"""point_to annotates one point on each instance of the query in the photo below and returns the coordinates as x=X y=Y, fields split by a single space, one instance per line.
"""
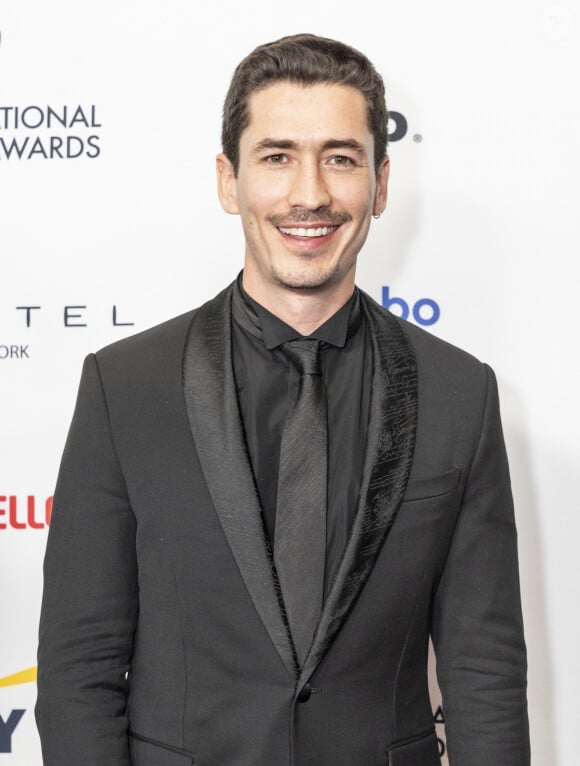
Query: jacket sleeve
x=89 y=605
x=477 y=617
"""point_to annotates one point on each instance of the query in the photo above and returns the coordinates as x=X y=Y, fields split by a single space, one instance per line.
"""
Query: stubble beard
x=308 y=277
x=306 y=274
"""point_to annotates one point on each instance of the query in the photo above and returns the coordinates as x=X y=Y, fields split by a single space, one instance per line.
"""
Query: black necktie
x=300 y=539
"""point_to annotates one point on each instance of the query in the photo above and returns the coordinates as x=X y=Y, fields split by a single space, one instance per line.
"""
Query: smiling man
x=305 y=184
x=268 y=505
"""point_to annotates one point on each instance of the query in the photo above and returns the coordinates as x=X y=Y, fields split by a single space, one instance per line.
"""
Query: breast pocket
x=432 y=486
x=149 y=752
x=419 y=751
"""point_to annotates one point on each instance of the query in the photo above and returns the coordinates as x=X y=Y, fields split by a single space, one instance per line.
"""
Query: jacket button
x=305 y=693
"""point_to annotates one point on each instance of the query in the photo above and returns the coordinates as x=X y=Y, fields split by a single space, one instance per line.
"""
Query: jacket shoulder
x=160 y=339
x=428 y=348
x=152 y=360
x=449 y=378
x=158 y=344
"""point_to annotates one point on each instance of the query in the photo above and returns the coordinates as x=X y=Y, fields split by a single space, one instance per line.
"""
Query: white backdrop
x=482 y=220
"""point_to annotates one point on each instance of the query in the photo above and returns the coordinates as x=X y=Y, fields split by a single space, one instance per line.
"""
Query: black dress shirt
x=267 y=387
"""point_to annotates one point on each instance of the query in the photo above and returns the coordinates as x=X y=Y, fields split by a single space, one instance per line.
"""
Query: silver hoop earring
x=376 y=216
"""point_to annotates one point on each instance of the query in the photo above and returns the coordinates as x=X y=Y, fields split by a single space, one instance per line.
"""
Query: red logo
x=24 y=512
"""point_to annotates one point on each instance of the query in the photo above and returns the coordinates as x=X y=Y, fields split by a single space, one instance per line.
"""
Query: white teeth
x=322 y=231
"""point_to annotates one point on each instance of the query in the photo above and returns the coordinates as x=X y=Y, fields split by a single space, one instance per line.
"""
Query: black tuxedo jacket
x=162 y=637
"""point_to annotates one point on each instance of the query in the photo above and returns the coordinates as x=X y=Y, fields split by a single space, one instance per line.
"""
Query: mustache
x=301 y=215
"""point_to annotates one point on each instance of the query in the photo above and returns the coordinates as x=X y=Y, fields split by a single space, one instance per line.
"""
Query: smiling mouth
x=312 y=232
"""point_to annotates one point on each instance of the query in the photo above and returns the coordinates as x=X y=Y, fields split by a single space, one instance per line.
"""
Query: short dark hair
x=305 y=59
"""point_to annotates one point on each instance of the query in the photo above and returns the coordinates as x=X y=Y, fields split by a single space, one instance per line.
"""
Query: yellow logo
x=24 y=677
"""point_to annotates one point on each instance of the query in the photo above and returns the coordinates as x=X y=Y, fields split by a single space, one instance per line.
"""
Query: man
x=268 y=505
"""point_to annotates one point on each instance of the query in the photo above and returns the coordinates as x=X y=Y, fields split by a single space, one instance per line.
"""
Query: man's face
x=306 y=186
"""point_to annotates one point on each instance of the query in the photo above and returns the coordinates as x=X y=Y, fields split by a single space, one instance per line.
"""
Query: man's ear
x=227 y=184
x=382 y=185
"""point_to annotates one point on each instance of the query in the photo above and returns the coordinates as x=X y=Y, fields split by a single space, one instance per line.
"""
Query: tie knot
x=304 y=353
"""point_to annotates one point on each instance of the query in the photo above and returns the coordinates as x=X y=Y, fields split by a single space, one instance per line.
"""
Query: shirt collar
x=273 y=331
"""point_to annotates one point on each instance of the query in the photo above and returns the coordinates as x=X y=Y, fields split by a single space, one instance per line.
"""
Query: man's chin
x=308 y=280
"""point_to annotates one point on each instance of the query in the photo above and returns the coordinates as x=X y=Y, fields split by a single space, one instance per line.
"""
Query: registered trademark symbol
x=417 y=138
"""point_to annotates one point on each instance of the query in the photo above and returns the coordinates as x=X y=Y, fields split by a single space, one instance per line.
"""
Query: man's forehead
x=288 y=111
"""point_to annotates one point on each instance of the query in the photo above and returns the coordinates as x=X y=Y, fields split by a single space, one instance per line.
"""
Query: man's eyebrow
x=345 y=143
x=275 y=143
x=332 y=143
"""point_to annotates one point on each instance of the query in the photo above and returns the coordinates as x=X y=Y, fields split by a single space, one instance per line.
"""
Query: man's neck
x=304 y=310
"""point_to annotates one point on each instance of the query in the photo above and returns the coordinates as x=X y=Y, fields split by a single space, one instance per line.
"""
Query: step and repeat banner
x=110 y=223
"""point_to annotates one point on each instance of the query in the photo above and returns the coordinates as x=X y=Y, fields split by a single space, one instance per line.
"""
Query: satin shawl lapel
x=215 y=421
x=390 y=447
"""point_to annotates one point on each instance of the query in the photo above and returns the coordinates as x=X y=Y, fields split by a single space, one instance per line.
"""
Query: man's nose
x=308 y=186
